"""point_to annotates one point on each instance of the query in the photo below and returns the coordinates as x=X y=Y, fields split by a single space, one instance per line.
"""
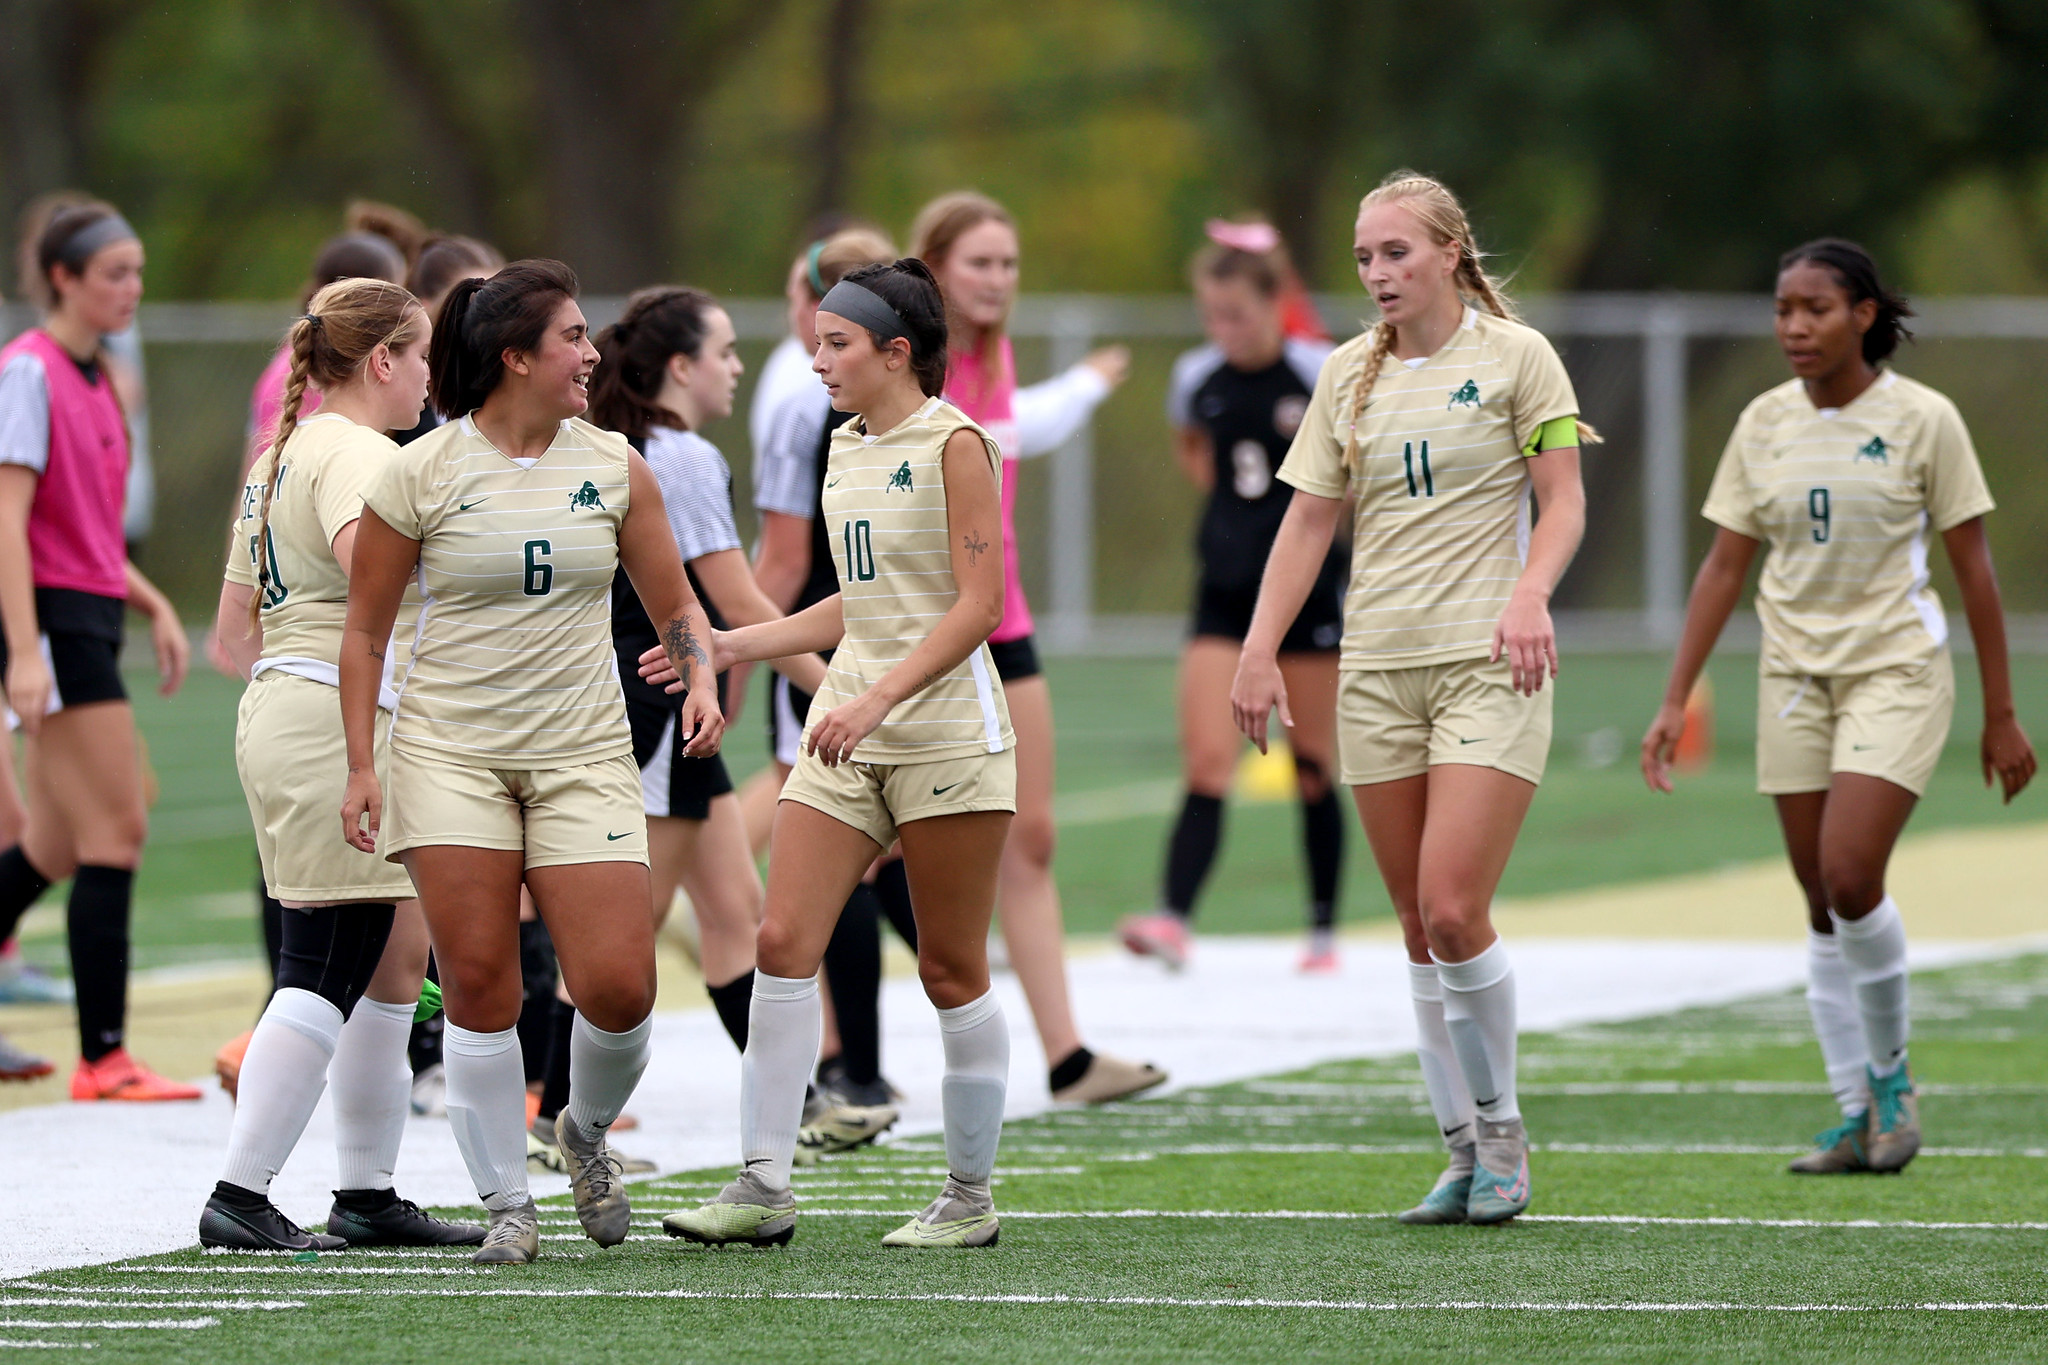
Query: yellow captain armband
x=1555 y=434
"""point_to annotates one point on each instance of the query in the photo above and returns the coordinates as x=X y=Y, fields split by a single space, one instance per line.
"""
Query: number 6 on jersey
x=540 y=574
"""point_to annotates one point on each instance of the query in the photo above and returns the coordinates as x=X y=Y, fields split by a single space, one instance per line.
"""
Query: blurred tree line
x=1601 y=143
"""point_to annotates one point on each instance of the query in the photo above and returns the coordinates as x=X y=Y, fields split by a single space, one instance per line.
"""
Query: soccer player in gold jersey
x=1840 y=473
x=908 y=737
x=1439 y=422
x=511 y=759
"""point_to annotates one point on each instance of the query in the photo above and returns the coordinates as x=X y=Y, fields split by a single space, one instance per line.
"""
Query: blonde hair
x=1440 y=214
x=344 y=323
x=848 y=250
x=937 y=227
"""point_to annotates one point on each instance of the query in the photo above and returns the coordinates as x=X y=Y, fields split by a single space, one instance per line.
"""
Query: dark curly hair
x=664 y=321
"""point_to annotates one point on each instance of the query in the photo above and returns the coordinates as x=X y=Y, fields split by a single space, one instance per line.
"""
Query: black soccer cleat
x=394 y=1222
x=244 y=1221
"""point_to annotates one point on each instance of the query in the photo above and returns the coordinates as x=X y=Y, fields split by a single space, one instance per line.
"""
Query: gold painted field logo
x=1466 y=396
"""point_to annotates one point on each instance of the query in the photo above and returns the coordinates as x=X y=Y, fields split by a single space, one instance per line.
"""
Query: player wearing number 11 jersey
x=1841 y=473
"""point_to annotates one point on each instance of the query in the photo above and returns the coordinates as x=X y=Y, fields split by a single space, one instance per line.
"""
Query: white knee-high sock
x=1831 y=1000
x=1449 y=1097
x=603 y=1069
x=487 y=1110
x=783 y=1031
x=283 y=1073
x=372 y=1091
x=1874 y=949
x=977 y=1043
x=1479 y=1014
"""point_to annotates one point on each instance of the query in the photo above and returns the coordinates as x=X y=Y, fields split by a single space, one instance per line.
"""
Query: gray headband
x=858 y=303
x=80 y=246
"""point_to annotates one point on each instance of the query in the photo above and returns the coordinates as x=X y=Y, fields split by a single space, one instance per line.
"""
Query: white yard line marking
x=16 y=1344
x=1160 y=1301
x=147 y=1324
x=11 y=1301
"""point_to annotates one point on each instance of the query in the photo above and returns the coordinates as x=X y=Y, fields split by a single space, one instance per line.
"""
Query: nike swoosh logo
x=1473 y=741
x=937 y=1232
x=1859 y=748
x=627 y=834
x=941 y=791
x=833 y=483
x=465 y=506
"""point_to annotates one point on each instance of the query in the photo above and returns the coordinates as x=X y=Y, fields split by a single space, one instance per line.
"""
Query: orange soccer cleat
x=227 y=1063
x=118 y=1076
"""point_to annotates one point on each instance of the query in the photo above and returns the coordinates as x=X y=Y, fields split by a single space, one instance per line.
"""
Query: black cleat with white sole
x=379 y=1218
x=236 y=1219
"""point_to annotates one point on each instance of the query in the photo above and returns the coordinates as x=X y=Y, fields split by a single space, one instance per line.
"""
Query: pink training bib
x=74 y=525
x=986 y=399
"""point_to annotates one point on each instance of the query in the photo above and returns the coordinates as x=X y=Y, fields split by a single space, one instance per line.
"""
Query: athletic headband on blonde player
x=81 y=245
x=812 y=274
x=858 y=303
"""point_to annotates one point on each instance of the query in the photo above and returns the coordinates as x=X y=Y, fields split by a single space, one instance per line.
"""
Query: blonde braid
x=302 y=340
x=1368 y=375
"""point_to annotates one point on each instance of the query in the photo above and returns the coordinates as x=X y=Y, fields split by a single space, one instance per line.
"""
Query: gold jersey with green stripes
x=511 y=662
x=1441 y=517
x=319 y=480
x=1844 y=498
x=884 y=506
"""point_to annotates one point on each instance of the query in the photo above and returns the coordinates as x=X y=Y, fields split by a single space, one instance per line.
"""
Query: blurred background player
x=970 y=243
x=516 y=516
x=355 y=944
x=1839 y=473
x=910 y=740
x=66 y=584
x=1234 y=406
x=1443 y=717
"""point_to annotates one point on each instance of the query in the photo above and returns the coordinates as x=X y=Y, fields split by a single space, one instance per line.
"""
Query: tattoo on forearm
x=926 y=681
x=973 y=543
x=377 y=654
x=683 y=644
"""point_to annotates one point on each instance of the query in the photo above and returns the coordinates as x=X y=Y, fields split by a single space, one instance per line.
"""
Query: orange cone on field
x=1696 y=740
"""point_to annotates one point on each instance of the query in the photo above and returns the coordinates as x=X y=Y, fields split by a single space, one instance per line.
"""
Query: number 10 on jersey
x=860 y=551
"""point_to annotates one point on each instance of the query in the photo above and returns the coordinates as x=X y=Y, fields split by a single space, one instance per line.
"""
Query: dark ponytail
x=667 y=320
x=907 y=285
x=1857 y=274
x=481 y=320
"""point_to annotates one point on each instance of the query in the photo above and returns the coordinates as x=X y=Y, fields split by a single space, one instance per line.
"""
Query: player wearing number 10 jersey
x=1841 y=473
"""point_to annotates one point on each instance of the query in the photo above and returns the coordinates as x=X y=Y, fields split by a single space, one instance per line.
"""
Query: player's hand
x=1660 y=743
x=1525 y=636
x=1255 y=693
x=703 y=722
x=1113 y=363
x=173 y=651
x=217 y=655
x=834 y=738
x=28 y=689
x=655 y=668
x=362 y=799
x=2006 y=751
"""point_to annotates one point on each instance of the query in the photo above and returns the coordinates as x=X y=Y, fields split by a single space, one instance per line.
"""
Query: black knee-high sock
x=272 y=916
x=423 y=1048
x=537 y=1007
x=734 y=1002
x=20 y=884
x=554 y=1088
x=853 y=966
x=1322 y=839
x=97 y=919
x=892 y=893
x=1192 y=851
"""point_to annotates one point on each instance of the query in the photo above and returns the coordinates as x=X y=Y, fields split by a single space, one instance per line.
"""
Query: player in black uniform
x=1234 y=405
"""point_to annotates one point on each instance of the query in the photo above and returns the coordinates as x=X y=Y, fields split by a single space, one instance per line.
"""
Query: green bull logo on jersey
x=1466 y=396
x=586 y=497
x=1874 y=451
x=900 y=480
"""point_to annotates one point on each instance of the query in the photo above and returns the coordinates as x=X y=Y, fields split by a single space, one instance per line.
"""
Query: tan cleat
x=1894 y=1121
x=1110 y=1078
x=514 y=1237
x=1841 y=1150
x=842 y=1128
x=595 y=1180
x=746 y=1213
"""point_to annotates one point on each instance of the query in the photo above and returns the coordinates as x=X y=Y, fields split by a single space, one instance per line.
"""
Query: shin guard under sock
x=782 y=1043
x=97 y=923
x=977 y=1044
x=1479 y=1014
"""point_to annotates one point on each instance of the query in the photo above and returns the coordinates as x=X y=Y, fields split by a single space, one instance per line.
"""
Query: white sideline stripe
x=147 y=1324
x=1149 y=1301
x=12 y=1344
x=11 y=1302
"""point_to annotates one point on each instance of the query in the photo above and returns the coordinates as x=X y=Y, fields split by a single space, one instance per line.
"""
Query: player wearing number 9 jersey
x=1841 y=473
x=511 y=760
x=1438 y=423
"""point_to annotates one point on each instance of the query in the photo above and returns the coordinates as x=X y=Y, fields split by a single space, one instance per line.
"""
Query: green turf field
x=1249 y=1223
x=1593 y=824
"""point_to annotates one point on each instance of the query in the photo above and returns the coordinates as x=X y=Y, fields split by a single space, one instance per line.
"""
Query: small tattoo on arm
x=377 y=654
x=973 y=543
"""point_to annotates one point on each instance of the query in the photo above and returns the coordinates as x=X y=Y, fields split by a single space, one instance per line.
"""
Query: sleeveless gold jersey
x=884 y=506
x=512 y=664
x=321 y=476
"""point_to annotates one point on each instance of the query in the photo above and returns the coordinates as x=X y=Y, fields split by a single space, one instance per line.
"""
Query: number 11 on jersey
x=1428 y=488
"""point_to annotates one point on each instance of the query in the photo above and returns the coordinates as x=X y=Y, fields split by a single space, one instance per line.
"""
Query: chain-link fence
x=1107 y=522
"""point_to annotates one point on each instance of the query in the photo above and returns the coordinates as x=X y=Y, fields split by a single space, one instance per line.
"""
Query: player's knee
x=951 y=980
x=1031 y=841
x=116 y=840
x=1311 y=779
x=1452 y=920
x=478 y=996
x=777 y=950
x=1853 y=888
x=619 y=1001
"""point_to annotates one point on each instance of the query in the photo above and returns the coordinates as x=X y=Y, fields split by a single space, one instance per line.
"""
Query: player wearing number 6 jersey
x=909 y=737
x=1439 y=423
x=511 y=759
x=1841 y=472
